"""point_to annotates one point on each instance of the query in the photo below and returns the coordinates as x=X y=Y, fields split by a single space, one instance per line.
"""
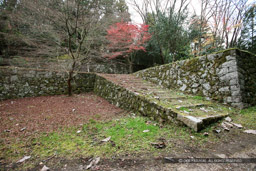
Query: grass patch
x=128 y=136
x=198 y=98
x=64 y=57
x=246 y=117
x=184 y=109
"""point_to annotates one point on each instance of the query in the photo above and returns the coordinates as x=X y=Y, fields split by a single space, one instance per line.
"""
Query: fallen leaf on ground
x=148 y=122
x=94 y=162
x=159 y=145
x=250 y=131
x=23 y=129
x=45 y=168
x=217 y=131
x=23 y=159
x=106 y=139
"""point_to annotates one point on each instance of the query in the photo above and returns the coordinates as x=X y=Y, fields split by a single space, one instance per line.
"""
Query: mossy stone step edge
x=130 y=100
x=198 y=123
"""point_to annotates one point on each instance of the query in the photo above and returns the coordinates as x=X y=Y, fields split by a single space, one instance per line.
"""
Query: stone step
x=132 y=93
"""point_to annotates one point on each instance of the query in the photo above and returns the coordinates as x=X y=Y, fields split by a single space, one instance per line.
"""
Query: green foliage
x=169 y=38
x=248 y=33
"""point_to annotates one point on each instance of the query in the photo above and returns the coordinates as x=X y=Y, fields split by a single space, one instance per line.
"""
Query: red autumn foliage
x=126 y=38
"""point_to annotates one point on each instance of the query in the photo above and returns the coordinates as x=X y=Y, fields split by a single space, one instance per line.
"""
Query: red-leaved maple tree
x=126 y=39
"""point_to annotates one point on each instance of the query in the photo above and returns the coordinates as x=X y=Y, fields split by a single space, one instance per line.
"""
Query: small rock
x=224 y=126
x=178 y=107
x=203 y=109
x=206 y=134
x=146 y=131
x=228 y=124
x=228 y=119
x=106 y=139
x=23 y=129
x=45 y=168
x=221 y=156
x=217 y=131
x=186 y=112
x=24 y=159
x=148 y=122
x=237 y=125
x=250 y=131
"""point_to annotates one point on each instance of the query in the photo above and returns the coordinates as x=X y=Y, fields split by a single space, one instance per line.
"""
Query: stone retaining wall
x=227 y=76
x=129 y=100
x=247 y=76
x=21 y=82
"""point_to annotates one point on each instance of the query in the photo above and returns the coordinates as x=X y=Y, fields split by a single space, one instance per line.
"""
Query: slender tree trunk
x=162 y=56
x=253 y=16
x=70 y=75
x=130 y=65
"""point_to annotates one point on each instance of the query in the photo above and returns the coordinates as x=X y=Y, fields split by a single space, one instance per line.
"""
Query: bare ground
x=23 y=117
x=28 y=116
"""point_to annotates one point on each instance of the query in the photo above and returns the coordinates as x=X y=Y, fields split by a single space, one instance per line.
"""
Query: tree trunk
x=162 y=56
x=130 y=65
x=70 y=75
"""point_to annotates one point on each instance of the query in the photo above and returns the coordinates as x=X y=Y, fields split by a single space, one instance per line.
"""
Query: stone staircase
x=164 y=105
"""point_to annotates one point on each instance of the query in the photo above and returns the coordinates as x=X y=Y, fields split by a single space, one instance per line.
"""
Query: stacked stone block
x=228 y=77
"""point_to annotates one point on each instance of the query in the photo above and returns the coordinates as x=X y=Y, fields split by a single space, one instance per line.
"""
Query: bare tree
x=155 y=6
x=227 y=20
x=72 y=24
